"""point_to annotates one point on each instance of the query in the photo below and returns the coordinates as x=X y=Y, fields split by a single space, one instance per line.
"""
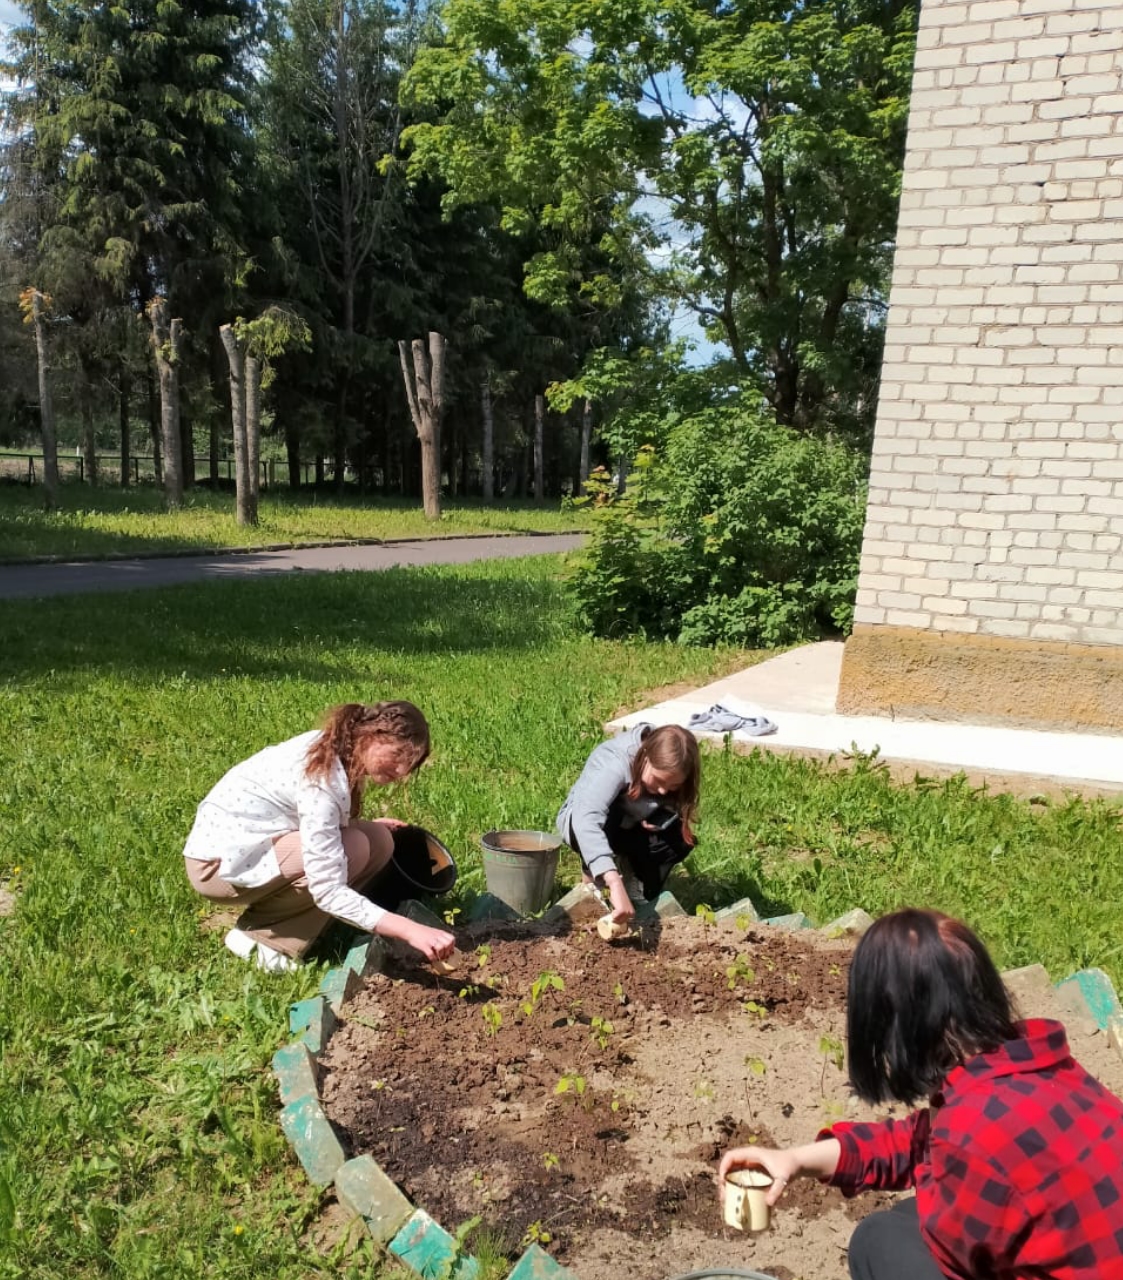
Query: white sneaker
x=240 y=942
x=267 y=958
x=274 y=961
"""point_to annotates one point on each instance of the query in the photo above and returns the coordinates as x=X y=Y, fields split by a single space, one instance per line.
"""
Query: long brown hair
x=352 y=725
x=672 y=749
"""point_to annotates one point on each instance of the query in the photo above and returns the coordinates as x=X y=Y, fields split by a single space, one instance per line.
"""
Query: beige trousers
x=281 y=913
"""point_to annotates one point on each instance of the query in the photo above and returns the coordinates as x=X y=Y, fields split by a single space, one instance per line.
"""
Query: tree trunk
x=539 y=445
x=46 y=408
x=489 y=440
x=89 y=433
x=254 y=371
x=213 y=442
x=236 y=357
x=292 y=455
x=166 y=342
x=154 y=424
x=124 y=405
x=586 y=440
x=186 y=432
x=424 y=385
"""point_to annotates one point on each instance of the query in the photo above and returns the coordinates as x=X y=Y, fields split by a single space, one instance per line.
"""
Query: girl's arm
x=605 y=775
x=325 y=861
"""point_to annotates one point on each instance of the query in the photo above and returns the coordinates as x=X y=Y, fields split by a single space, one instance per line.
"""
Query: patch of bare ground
x=579 y=1094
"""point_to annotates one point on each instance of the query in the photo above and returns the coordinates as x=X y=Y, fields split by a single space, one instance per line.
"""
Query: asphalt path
x=28 y=581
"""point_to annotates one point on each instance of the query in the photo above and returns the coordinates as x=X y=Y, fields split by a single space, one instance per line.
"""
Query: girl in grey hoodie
x=632 y=811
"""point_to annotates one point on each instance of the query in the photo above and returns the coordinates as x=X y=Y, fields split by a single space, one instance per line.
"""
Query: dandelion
x=238 y=1229
x=16 y=870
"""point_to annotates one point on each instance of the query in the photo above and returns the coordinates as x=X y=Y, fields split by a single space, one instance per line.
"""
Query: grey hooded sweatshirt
x=607 y=773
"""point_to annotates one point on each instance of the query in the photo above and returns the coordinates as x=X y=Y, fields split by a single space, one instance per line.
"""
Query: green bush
x=741 y=532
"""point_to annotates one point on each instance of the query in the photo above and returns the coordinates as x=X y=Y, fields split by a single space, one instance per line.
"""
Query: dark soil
x=579 y=1094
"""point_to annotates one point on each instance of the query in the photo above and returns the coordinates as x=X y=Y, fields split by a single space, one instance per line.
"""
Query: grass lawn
x=138 y=1119
x=102 y=522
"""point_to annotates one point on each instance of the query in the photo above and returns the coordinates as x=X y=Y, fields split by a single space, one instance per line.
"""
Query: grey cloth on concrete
x=721 y=719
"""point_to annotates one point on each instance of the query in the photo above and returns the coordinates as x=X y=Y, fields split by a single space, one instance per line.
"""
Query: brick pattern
x=996 y=490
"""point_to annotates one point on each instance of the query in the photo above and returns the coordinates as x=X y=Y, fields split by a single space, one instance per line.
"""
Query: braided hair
x=350 y=726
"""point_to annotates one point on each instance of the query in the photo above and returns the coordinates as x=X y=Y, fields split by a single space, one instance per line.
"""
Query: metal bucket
x=724 y=1273
x=519 y=867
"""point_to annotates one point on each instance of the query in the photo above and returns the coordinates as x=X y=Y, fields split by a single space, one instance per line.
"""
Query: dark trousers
x=651 y=854
x=888 y=1246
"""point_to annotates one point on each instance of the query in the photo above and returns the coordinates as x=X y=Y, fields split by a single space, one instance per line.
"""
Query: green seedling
x=483 y=954
x=705 y=913
x=618 y=992
x=834 y=1051
x=757 y=1010
x=547 y=980
x=450 y=916
x=466 y=993
x=743 y=922
x=549 y=1161
x=757 y=1067
x=601 y=1031
x=427 y=1012
x=739 y=971
x=493 y=1018
x=704 y=1089
x=537 y=1234
x=575 y=1083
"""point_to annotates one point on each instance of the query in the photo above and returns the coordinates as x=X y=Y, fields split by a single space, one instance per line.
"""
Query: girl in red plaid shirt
x=1017 y=1160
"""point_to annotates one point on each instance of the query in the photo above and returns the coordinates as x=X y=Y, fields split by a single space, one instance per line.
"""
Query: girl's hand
x=812 y=1160
x=392 y=823
x=434 y=944
x=781 y=1166
x=623 y=909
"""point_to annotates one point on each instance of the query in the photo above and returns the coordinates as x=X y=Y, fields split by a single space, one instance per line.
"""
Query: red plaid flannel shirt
x=1017 y=1164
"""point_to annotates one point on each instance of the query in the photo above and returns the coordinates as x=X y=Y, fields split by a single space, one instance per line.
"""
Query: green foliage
x=740 y=532
x=771 y=133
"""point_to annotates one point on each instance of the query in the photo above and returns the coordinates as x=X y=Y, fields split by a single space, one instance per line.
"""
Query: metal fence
x=28 y=467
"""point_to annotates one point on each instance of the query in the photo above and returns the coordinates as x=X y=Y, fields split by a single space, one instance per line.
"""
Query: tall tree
x=769 y=135
x=167 y=350
x=423 y=372
x=133 y=116
x=36 y=306
x=331 y=117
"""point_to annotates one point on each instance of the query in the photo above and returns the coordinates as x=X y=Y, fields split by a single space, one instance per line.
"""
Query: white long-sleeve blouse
x=269 y=795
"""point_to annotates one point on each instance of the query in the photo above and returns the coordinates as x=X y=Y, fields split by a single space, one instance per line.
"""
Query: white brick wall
x=996 y=490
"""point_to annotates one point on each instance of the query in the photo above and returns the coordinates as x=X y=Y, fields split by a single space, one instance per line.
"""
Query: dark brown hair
x=672 y=749
x=924 y=996
x=352 y=725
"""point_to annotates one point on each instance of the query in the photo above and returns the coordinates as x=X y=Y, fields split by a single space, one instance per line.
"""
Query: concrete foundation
x=914 y=674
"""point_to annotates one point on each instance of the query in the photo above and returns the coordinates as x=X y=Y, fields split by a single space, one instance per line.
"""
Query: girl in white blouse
x=280 y=835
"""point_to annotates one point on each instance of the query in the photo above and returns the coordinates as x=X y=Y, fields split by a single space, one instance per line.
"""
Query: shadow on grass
x=303 y=628
x=28 y=530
